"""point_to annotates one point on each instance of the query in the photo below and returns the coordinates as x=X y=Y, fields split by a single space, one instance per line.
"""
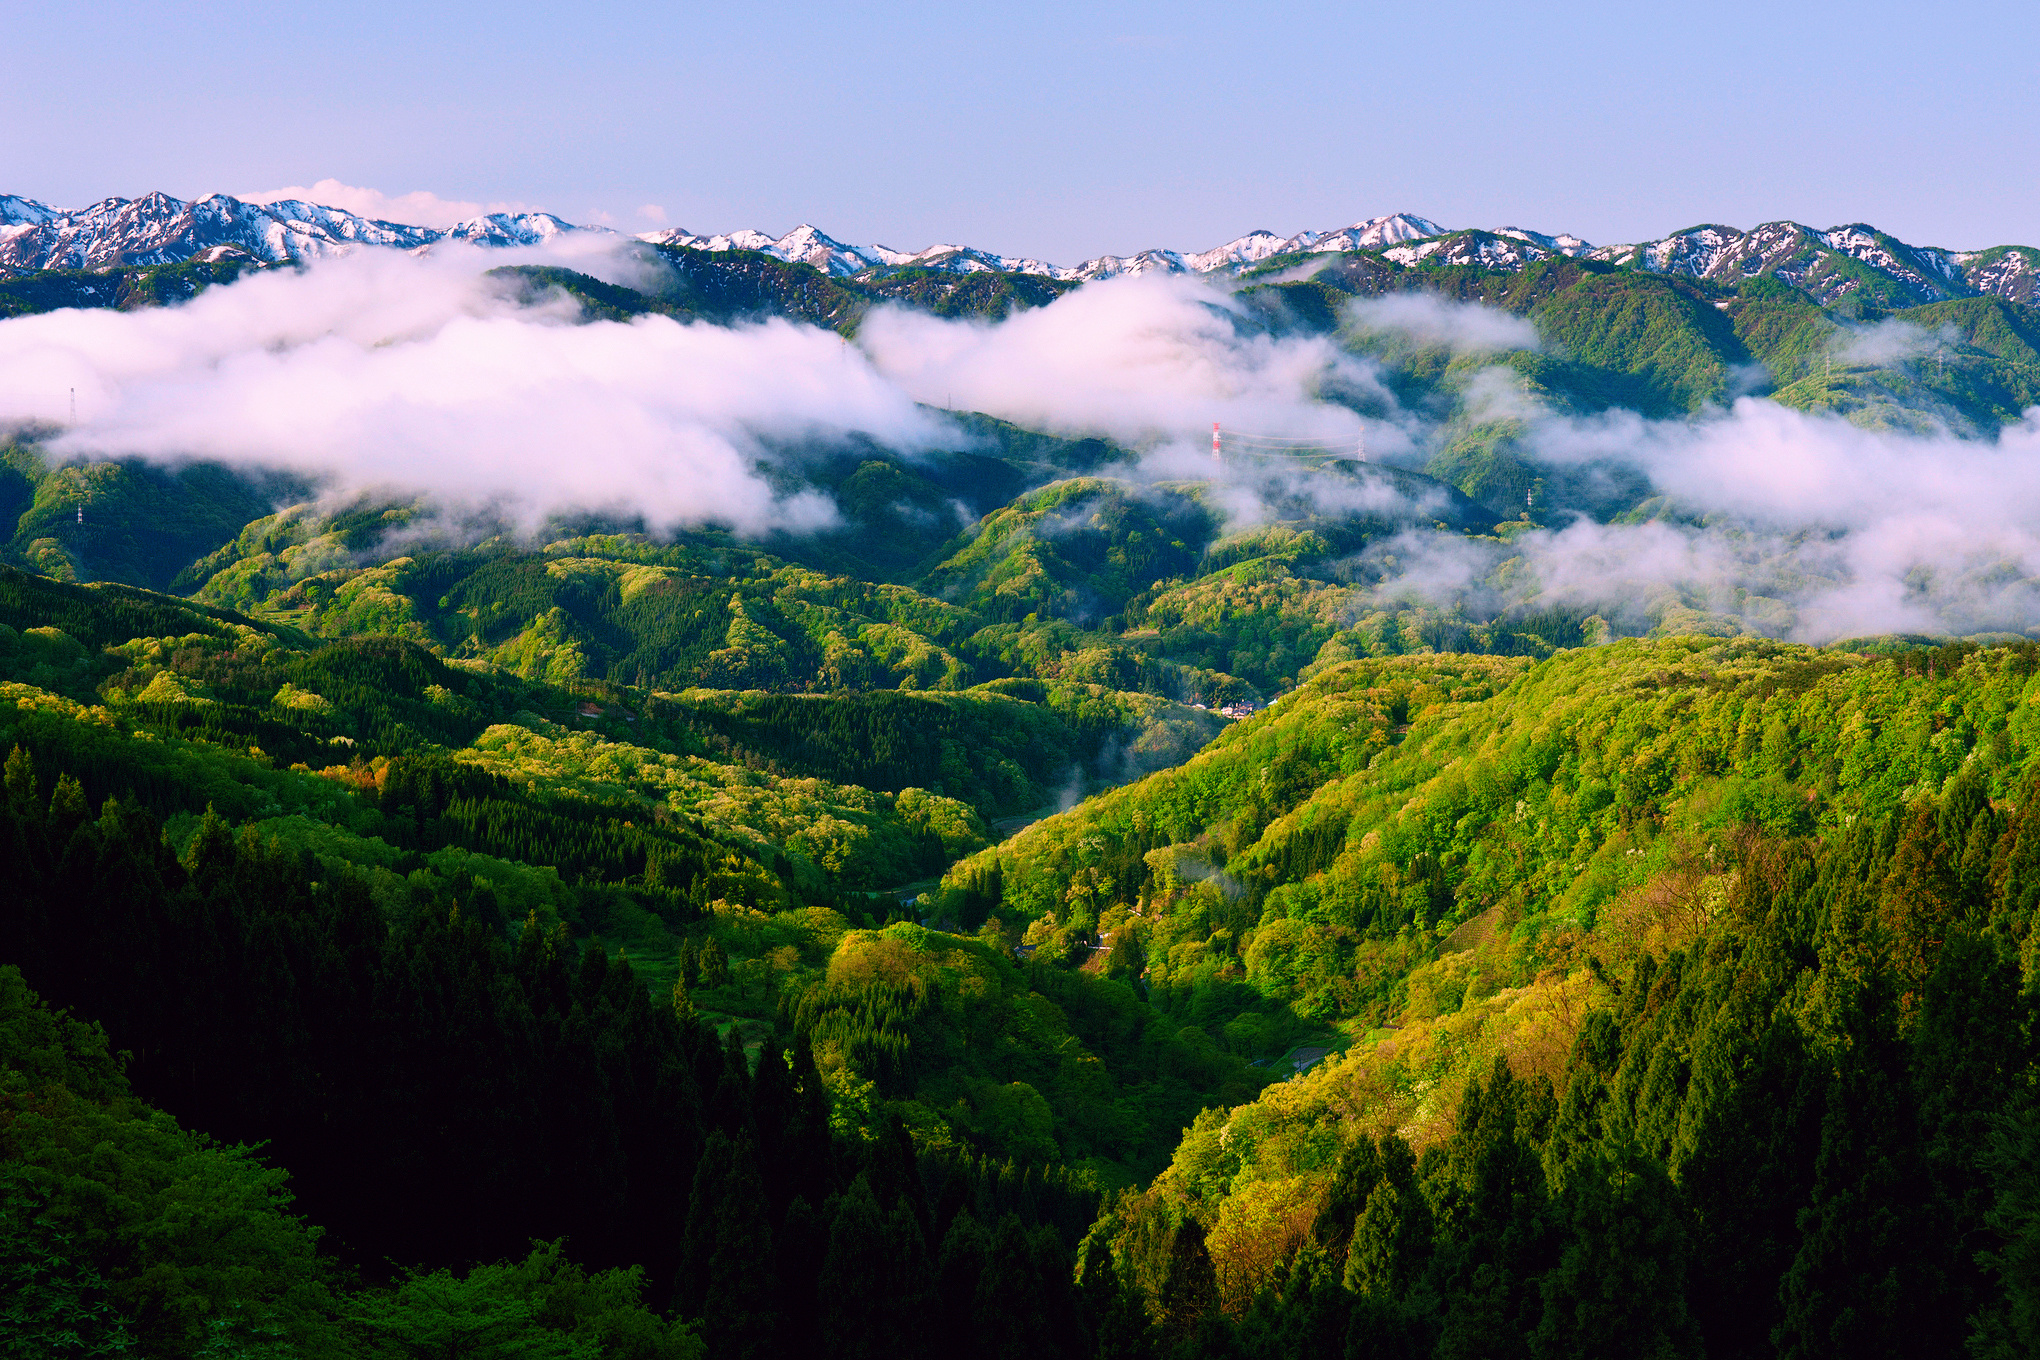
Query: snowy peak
x=740 y=240
x=1506 y=250
x=1240 y=252
x=512 y=229
x=1377 y=232
x=1693 y=251
x=1128 y=266
x=2011 y=272
x=805 y=244
x=1565 y=243
x=15 y=212
x=951 y=259
x=808 y=244
x=1370 y=233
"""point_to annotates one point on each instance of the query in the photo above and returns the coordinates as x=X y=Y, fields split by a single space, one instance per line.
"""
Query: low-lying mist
x=1792 y=523
x=402 y=374
x=391 y=372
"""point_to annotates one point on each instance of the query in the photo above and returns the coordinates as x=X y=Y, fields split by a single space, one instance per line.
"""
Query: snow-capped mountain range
x=159 y=229
x=1828 y=265
x=806 y=245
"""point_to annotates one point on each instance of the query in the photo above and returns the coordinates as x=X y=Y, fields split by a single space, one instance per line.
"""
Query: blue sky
x=1061 y=131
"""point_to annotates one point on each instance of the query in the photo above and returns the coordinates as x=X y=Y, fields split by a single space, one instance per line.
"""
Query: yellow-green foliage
x=242 y=784
x=1544 y=792
x=1336 y=724
x=1519 y=841
x=48 y=658
x=1068 y=548
x=167 y=688
x=856 y=836
x=1253 y=619
x=544 y=650
x=289 y=696
x=768 y=954
x=632 y=578
x=48 y=556
x=946 y=1033
x=349 y=603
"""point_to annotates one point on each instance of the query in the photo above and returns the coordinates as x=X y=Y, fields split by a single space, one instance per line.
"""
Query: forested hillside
x=1682 y=1000
x=430 y=923
x=426 y=930
x=1562 y=926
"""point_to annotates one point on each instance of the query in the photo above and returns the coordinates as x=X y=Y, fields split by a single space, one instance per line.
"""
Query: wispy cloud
x=1424 y=320
x=419 y=207
x=389 y=372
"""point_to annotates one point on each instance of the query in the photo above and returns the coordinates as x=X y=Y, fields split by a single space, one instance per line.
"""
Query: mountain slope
x=1689 y=956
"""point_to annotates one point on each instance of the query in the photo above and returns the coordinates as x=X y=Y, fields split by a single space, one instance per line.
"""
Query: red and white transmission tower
x=1214 y=445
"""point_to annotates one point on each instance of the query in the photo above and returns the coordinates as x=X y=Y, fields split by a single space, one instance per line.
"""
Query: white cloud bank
x=1422 y=319
x=386 y=371
x=1153 y=359
x=1799 y=524
x=419 y=208
x=392 y=372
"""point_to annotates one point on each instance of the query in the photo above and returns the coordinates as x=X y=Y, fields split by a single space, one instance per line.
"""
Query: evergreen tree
x=960 y=1267
x=714 y=966
x=1358 y=1172
x=1870 y=1276
x=704 y=1215
x=730 y=1109
x=859 y=1321
x=1187 y=1291
x=740 y=1318
x=1619 y=1287
x=1118 y=1324
x=2007 y=1328
x=800 y=1249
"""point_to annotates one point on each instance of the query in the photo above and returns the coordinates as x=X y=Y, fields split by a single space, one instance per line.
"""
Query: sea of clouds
x=420 y=374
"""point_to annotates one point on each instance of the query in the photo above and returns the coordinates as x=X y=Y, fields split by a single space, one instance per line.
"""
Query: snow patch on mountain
x=1238 y=253
x=805 y=244
x=1375 y=233
x=1565 y=243
x=2009 y=272
x=17 y=211
x=1816 y=262
x=1130 y=266
x=499 y=230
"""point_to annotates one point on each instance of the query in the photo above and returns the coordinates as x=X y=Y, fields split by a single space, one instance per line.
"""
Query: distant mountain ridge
x=808 y=245
x=1855 y=260
x=159 y=229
